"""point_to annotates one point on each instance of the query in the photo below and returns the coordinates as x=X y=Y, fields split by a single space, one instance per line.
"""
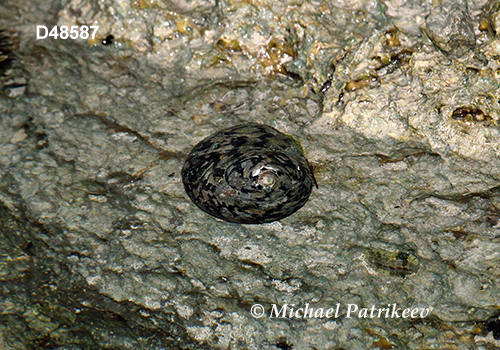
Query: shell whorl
x=249 y=174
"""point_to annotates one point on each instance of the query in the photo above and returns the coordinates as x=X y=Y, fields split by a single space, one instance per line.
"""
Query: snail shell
x=249 y=174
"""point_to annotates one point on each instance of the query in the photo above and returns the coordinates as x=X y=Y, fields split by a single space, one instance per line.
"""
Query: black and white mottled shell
x=249 y=174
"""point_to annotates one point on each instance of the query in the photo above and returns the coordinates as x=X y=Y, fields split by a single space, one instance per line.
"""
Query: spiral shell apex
x=248 y=174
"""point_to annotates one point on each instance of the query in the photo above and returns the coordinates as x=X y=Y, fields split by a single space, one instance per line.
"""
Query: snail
x=248 y=174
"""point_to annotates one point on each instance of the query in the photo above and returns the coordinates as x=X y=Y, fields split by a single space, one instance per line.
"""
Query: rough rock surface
x=396 y=105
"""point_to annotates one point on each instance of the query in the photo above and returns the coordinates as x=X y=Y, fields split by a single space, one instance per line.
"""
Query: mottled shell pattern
x=249 y=174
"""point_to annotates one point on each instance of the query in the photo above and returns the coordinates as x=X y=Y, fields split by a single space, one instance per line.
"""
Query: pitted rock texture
x=395 y=104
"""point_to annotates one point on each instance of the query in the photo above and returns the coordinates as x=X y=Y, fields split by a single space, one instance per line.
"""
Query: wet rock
x=450 y=28
x=100 y=246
